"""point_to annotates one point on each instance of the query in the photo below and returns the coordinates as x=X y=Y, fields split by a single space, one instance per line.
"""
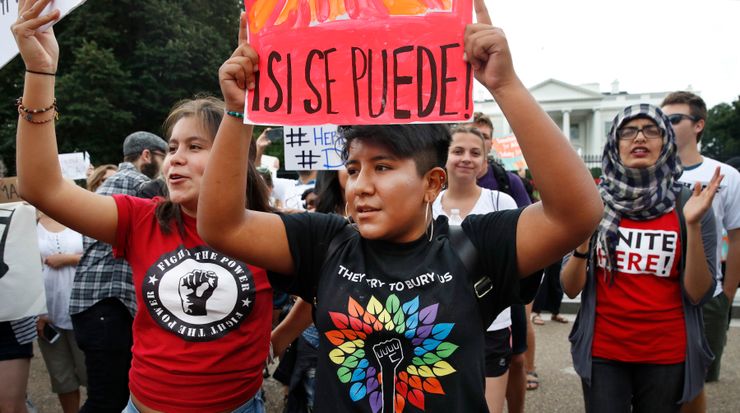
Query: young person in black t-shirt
x=396 y=312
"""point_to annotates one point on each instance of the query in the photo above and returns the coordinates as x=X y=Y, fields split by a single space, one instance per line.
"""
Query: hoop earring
x=428 y=207
x=348 y=217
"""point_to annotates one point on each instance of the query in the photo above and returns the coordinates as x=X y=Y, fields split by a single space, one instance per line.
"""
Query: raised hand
x=39 y=50
x=487 y=50
x=262 y=142
x=237 y=74
x=701 y=199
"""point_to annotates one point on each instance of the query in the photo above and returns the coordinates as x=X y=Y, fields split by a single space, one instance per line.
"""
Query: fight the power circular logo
x=198 y=294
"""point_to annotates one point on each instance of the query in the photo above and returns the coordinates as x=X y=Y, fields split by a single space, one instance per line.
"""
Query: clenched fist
x=195 y=289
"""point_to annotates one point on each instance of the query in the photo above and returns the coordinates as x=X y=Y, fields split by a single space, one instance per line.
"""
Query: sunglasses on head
x=676 y=118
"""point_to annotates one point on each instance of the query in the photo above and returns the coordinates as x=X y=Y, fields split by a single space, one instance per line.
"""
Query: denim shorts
x=254 y=405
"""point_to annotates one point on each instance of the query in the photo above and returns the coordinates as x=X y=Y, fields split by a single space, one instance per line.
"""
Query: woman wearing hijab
x=638 y=342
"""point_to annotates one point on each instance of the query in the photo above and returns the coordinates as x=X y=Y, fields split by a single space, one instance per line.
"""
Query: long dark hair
x=210 y=111
x=330 y=193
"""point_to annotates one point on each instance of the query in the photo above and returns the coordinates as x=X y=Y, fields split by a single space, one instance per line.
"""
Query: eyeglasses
x=676 y=118
x=158 y=153
x=649 y=132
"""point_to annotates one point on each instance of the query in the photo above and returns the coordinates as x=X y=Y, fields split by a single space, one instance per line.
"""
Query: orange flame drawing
x=304 y=13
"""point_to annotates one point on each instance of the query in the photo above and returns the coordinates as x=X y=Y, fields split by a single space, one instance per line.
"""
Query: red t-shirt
x=639 y=318
x=202 y=329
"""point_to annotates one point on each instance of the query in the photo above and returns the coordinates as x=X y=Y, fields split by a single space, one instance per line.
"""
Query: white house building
x=583 y=111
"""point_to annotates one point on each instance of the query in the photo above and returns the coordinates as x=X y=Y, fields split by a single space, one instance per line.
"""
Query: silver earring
x=427 y=208
x=348 y=217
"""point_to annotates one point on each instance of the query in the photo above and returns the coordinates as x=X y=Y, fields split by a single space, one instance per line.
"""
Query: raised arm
x=571 y=206
x=254 y=237
x=40 y=179
x=697 y=275
x=573 y=273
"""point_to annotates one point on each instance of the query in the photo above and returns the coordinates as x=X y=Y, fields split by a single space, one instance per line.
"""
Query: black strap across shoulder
x=482 y=285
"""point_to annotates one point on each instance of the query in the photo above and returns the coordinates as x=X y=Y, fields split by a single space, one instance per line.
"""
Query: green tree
x=123 y=64
x=721 y=138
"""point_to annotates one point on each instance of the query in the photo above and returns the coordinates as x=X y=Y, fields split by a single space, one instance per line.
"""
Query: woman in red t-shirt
x=635 y=340
x=201 y=332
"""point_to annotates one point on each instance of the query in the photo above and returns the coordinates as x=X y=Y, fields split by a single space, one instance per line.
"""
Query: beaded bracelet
x=28 y=114
x=239 y=115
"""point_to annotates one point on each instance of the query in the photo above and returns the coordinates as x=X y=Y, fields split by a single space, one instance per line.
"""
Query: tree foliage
x=122 y=66
x=721 y=138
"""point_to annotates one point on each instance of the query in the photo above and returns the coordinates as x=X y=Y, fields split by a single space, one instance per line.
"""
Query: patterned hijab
x=638 y=194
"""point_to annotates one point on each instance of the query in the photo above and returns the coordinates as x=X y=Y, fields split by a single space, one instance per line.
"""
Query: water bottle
x=455 y=218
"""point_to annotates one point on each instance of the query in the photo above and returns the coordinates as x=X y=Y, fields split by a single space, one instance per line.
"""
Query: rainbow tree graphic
x=384 y=386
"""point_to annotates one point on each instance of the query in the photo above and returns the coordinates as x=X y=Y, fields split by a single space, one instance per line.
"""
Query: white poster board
x=8 y=16
x=312 y=148
x=74 y=165
x=21 y=279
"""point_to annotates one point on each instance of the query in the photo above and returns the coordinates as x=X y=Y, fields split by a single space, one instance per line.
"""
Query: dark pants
x=618 y=387
x=716 y=314
x=103 y=333
x=550 y=294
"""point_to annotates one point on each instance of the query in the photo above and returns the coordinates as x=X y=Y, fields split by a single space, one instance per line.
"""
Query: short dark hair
x=330 y=193
x=426 y=144
x=697 y=107
x=482 y=118
x=132 y=158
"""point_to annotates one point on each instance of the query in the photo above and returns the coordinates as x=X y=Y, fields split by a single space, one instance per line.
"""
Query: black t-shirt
x=401 y=313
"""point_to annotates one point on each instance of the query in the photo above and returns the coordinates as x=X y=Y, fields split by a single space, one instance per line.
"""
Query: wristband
x=40 y=73
x=580 y=255
x=235 y=114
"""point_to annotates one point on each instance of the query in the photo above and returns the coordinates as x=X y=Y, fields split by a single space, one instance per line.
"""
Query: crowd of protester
x=412 y=276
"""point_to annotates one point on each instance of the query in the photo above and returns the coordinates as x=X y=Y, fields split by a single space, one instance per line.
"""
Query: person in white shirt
x=465 y=160
x=687 y=113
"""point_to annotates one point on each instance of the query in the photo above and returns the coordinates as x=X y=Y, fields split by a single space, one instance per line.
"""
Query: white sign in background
x=312 y=148
x=21 y=277
x=8 y=16
x=74 y=165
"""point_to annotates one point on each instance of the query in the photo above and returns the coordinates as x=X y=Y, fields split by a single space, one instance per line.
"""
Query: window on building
x=575 y=132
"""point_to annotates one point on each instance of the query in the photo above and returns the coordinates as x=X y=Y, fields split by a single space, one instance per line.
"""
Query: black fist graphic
x=195 y=289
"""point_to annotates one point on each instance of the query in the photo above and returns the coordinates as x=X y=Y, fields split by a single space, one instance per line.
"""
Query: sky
x=647 y=45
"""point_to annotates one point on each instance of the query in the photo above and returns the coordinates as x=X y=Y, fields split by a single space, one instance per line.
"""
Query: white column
x=566 y=123
x=597 y=135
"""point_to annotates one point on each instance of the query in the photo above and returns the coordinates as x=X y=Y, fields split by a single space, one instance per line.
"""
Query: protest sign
x=8 y=16
x=348 y=62
x=9 y=190
x=74 y=165
x=509 y=152
x=312 y=148
x=21 y=280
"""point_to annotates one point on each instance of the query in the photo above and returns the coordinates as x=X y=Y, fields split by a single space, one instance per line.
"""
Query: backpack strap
x=502 y=178
x=482 y=285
